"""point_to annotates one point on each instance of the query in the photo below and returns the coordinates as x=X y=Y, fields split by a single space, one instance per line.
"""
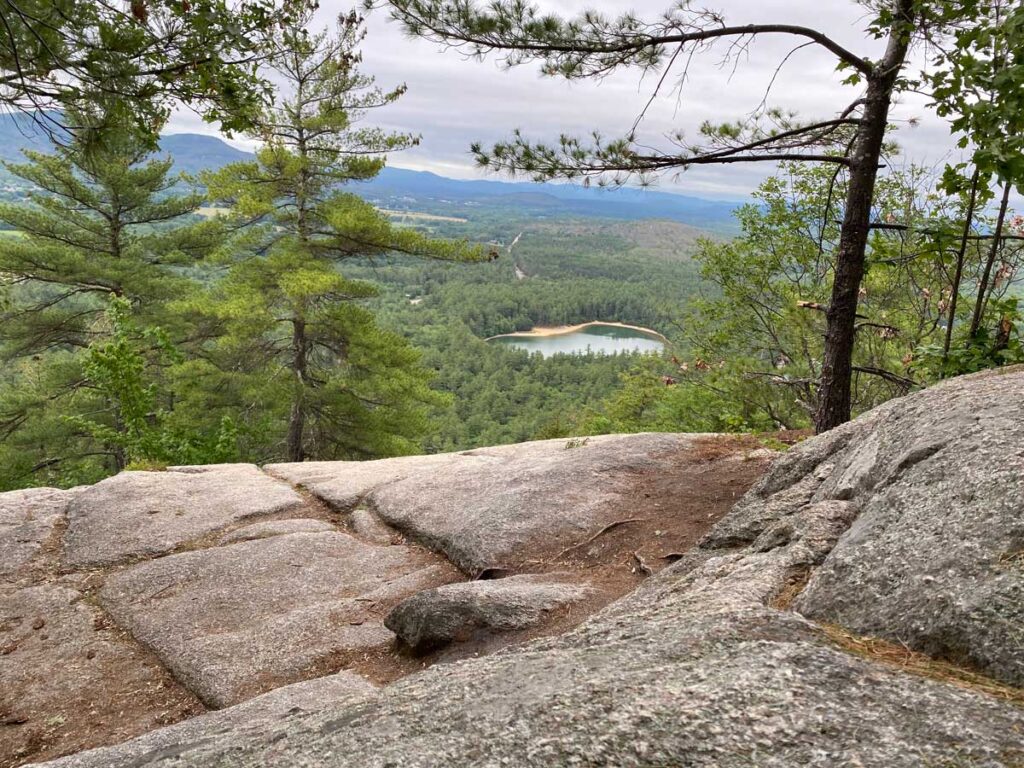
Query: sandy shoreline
x=560 y=330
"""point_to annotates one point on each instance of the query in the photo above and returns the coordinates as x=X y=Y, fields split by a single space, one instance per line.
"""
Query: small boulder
x=435 y=617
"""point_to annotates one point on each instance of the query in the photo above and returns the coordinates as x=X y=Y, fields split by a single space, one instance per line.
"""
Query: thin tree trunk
x=958 y=275
x=300 y=343
x=979 y=303
x=118 y=452
x=297 y=418
x=834 y=393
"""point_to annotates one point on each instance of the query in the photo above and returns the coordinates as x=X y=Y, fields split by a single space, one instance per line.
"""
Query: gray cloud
x=453 y=100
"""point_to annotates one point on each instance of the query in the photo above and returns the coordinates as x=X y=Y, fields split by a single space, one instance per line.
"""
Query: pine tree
x=316 y=375
x=104 y=222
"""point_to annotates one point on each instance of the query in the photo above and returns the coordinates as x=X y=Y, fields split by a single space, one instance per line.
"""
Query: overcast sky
x=453 y=100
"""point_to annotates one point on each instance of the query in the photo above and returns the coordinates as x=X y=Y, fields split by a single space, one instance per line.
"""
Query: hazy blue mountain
x=402 y=188
x=554 y=199
x=424 y=191
x=193 y=152
x=17 y=132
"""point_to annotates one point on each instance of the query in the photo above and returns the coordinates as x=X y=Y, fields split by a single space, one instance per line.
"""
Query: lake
x=600 y=338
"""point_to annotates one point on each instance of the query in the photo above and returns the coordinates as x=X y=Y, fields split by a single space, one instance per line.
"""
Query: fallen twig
x=161 y=591
x=601 y=532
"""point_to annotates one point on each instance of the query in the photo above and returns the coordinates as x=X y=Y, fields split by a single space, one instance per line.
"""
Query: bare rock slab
x=67 y=676
x=693 y=669
x=367 y=527
x=493 y=508
x=935 y=558
x=27 y=521
x=704 y=665
x=289 y=703
x=344 y=484
x=237 y=620
x=143 y=514
x=435 y=617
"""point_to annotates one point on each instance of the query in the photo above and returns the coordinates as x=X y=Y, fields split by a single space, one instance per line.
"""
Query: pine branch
x=590 y=44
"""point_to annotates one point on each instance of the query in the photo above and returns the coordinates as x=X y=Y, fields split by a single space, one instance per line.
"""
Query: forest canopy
x=264 y=310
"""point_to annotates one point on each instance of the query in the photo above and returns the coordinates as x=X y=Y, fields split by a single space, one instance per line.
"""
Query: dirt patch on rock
x=665 y=512
x=72 y=681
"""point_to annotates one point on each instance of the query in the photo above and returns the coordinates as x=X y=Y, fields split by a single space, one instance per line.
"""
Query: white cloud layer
x=453 y=100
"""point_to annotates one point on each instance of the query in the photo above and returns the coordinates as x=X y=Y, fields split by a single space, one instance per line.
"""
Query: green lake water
x=598 y=338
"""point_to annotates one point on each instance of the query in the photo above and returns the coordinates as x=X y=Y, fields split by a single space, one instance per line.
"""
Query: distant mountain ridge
x=194 y=152
x=422 y=190
x=566 y=199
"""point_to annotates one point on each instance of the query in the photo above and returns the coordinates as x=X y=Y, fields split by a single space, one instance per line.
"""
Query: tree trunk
x=979 y=303
x=297 y=418
x=834 y=393
x=117 y=452
x=300 y=344
x=958 y=275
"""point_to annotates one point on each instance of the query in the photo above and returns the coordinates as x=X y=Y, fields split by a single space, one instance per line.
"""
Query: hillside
x=193 y=153
x=558 y=273
x=401 y=188
x=859 y=605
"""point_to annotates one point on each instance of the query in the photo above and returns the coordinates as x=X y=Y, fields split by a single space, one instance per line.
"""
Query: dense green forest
x=633 y=272
x=261 y=312
x=262 y=309
x=743 y=314
x=575 y=271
